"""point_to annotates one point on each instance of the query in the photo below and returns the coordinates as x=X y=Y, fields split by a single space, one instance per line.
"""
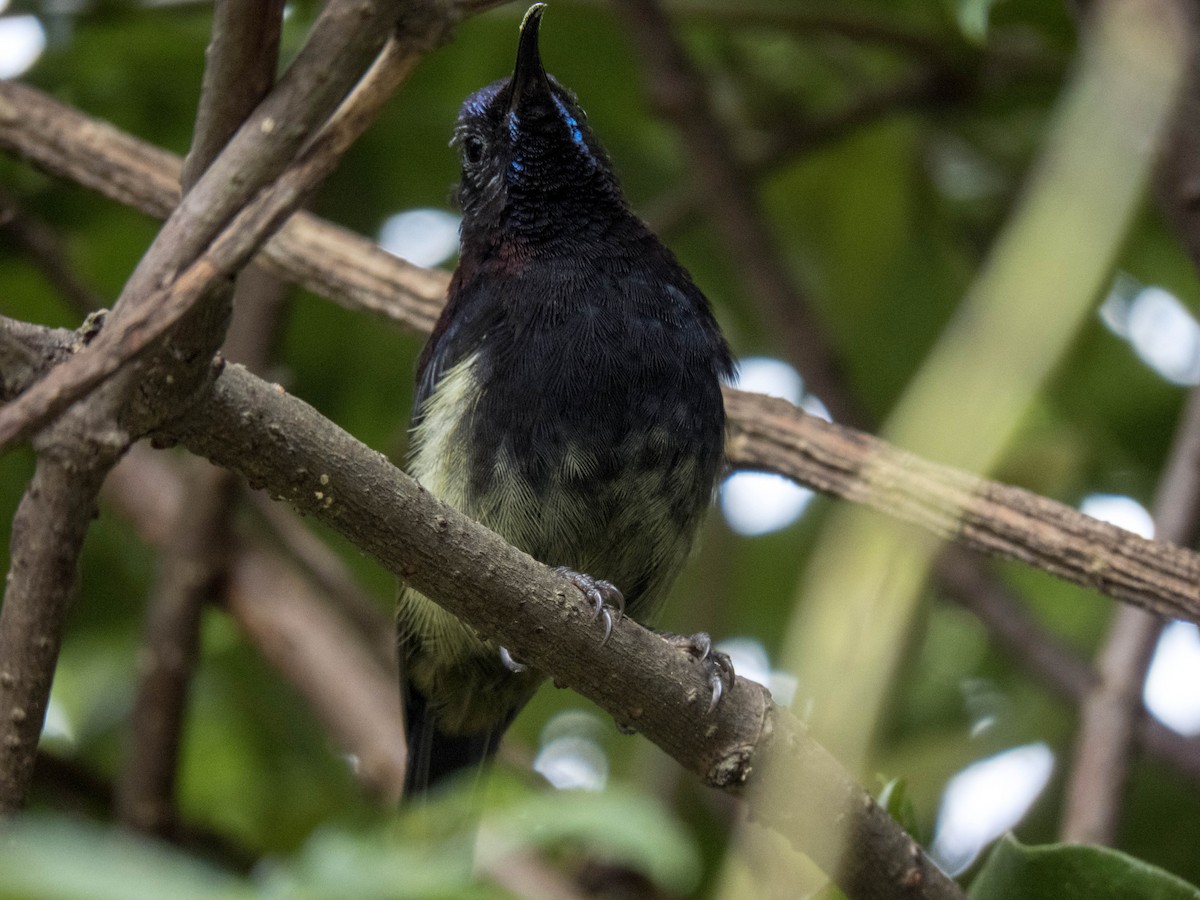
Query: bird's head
x=529 y=161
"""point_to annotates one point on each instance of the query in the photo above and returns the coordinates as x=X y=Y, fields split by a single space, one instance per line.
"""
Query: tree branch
x=679 y=91
x=343 y=38
x=47 y=537
x=1113 y=707
x=766 y=434
x=44 y=249
x=218 y=224
x=280 y=442
x=351 y=693
x=48 y=532
x=773 y=436
x=321 y=257
x=239 y=70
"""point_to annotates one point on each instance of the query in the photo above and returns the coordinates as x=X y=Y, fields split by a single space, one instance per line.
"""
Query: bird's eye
x=472 y=148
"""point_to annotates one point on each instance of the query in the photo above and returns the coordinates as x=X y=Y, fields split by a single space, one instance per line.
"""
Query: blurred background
x=875 y=149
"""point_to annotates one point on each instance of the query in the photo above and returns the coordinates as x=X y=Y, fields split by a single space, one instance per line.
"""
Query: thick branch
x=766 y=434
x=47 y=536
x=282 y=444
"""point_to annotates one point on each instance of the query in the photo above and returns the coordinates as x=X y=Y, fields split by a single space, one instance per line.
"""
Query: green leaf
x=427 y=854
x=1073 y=872
x=338 y=865
x=57 y=859
x=616 y=825
x=894 y=798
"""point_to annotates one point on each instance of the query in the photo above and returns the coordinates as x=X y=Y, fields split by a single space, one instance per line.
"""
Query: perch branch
x=766 y=434
x=281 y=443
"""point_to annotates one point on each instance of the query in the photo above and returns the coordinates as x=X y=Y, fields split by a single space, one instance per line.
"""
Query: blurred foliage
x=423 y=855
x=1065 y=872
x=884 y=225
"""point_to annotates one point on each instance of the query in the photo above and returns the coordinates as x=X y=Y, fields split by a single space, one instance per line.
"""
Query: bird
x=569 y=398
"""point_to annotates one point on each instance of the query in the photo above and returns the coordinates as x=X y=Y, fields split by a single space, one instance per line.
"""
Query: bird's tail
x=434 y=756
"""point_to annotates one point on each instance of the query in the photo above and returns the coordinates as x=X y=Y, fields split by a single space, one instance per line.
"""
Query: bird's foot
x=717 y=665
x=601 y=596
x=507 y=660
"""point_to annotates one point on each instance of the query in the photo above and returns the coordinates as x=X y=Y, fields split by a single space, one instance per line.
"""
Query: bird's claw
x=507 y=660
x=717 y=665
x=603 y=597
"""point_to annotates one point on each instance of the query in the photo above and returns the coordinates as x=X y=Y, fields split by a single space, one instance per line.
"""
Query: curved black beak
x=529 y=77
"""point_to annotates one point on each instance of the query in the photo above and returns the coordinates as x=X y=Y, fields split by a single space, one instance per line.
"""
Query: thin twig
x=48 y=532
x=215 y=228
x=45 y=250
x=1057 y=665
x=1096 y=788
x=352 y=694
x=680 y=93
x=240 y=67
